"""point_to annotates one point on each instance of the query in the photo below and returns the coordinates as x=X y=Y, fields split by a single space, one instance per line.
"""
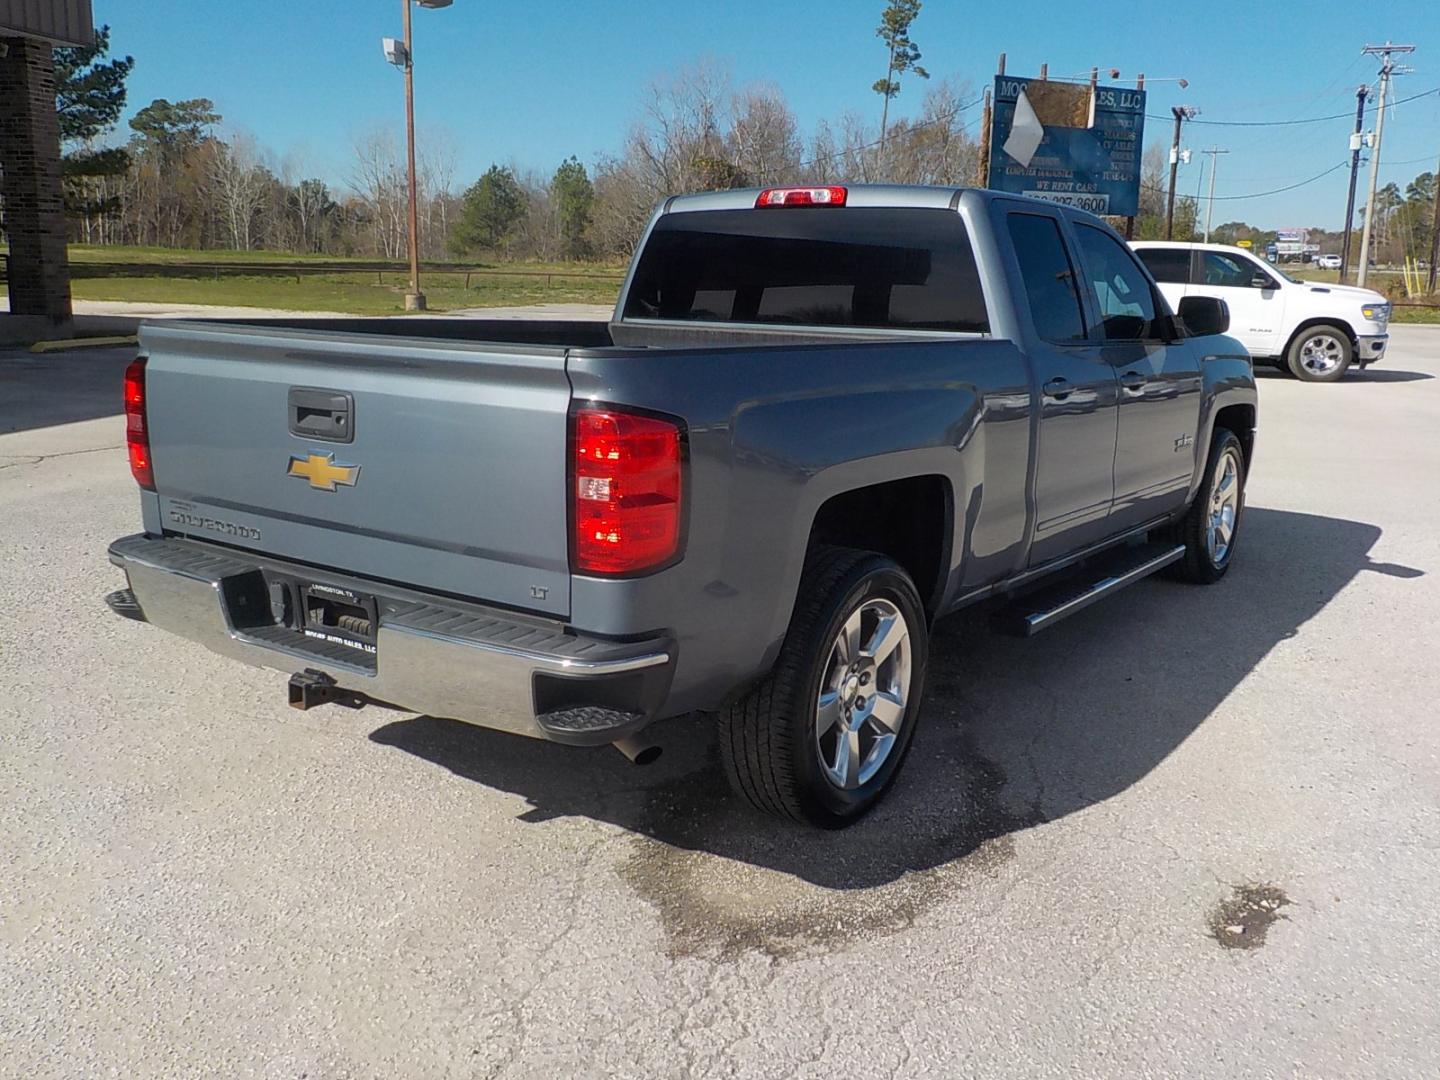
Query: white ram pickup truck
x=1313 y=330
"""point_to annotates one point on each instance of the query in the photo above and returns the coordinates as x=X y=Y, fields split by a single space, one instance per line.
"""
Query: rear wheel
x=822 y=737
x=1211 y=526
x=1320 y=354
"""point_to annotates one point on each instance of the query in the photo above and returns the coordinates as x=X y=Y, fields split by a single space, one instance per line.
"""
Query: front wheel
x=822 y=736
x=1211 y=526
x=1320 y=354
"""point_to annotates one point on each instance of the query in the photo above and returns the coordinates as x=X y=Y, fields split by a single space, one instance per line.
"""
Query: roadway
x=196 y=880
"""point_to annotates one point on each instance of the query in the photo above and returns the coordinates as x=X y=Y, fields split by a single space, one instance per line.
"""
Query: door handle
x=321 y=414
x=1057 y=388
x=1134 y=380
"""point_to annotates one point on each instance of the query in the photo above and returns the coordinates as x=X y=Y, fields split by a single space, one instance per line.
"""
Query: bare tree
x=436 y=190
x=239 y=187
x=764 y=139
x=378 y=178
x=935 y=148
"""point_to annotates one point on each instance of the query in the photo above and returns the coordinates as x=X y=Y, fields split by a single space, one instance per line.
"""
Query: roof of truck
x=1189 y=245
x=862 y=195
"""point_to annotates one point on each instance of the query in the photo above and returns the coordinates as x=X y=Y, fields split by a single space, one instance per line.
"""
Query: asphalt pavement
x=1187 y=832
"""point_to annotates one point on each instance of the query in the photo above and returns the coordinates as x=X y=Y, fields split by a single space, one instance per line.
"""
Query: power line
x=1262 y=194
x=1291 y=123
x=1290 y=187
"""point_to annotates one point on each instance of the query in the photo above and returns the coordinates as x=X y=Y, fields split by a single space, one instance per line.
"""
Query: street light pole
x=414 y=298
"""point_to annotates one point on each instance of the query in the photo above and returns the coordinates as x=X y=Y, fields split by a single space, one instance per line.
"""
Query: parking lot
x=1187 y=831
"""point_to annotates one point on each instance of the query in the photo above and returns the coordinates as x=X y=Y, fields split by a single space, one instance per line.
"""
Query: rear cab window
x=900 y=268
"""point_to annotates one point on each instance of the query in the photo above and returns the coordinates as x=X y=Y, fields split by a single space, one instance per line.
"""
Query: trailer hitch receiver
x=310 y=687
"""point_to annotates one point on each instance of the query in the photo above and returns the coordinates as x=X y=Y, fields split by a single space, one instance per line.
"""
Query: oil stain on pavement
x=726 y=880
x=1242 y=920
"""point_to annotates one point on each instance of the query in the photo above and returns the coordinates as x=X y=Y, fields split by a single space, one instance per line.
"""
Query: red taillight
x=801 y=196
x=137 y=437
x=626 y=490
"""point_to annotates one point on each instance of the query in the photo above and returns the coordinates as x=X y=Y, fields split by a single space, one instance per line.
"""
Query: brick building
x=37 y=271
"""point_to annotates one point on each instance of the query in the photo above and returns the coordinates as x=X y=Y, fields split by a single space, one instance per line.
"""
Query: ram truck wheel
x=1320 y=354
x=1211 y=526
x=821 y=738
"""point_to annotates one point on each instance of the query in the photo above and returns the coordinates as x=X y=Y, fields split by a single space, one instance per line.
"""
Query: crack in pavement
x=40 y=459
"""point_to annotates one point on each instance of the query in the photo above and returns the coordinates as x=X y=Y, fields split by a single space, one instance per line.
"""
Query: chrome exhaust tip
x=638 y=749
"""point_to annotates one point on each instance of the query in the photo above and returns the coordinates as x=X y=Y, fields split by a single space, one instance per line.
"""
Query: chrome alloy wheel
x=863 y=694
x=1224 y=507
x=1321 y=354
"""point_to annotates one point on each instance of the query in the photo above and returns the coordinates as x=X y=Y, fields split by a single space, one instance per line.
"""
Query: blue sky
x=531 y=83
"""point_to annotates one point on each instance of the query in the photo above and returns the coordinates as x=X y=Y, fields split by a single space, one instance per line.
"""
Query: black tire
x=1321 y=353
x=1201 y=564
x=768 y=739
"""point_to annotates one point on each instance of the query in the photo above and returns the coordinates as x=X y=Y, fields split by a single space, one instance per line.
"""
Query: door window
x=1049 y=277
x=1119 y=287
x=1220 y=270
x=1169 y=265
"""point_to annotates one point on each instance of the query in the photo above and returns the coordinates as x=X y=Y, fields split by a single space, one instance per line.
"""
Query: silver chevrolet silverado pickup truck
x=820 y=419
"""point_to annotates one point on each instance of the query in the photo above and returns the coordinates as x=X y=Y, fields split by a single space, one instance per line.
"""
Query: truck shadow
x=1354 y=375
x=39 y=391
x=1015 y=733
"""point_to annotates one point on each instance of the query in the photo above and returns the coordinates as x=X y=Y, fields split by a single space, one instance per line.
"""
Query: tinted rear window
x=1167 y=264
x=907 y=269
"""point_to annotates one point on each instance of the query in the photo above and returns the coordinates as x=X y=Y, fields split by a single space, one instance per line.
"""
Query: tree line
x=181 y=180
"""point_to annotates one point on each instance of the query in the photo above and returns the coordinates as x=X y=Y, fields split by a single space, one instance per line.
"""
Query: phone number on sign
x=1096 y=204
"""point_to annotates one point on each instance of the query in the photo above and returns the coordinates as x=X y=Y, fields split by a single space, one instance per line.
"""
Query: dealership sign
x=1068 y=143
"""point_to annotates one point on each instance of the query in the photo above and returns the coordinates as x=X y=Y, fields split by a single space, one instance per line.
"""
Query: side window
x=1171 y=265
x=1121 y=290
x=1225 y=271
x=1049 y=277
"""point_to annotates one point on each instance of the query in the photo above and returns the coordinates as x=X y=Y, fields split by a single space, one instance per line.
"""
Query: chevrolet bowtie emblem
x=322 y=472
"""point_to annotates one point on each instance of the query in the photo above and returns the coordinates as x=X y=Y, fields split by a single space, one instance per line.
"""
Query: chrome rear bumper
x=432 y=654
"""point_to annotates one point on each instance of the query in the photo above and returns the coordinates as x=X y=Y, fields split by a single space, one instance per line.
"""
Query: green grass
x=353 y=292
x=93 y=253
x=358 y=293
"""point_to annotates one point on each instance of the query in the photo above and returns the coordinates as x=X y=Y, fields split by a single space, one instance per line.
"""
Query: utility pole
x=1210 y=203
x=1181 y=114
x=987 y=115
x=1434 y=234
x=1387 y=66
x=1356 y=141
x=1130 y=219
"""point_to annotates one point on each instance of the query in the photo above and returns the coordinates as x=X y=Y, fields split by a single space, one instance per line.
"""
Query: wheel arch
x=910 y=519
x=1238 y=418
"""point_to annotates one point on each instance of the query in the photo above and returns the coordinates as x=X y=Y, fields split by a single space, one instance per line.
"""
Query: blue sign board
x=1095 y=168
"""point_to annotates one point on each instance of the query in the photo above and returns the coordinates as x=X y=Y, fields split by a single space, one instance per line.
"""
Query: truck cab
x=1313 y=330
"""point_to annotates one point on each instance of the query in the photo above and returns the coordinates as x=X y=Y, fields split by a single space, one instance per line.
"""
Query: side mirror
x=1262 y=281
x=1204 y=315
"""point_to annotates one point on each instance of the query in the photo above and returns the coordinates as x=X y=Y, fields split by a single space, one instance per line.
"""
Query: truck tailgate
x=447 y=472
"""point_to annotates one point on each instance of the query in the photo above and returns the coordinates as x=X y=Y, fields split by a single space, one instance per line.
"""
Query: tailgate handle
x=321 y=414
